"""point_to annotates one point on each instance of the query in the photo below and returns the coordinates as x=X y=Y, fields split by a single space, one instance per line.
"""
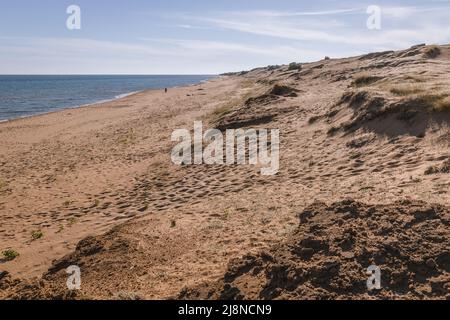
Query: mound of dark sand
x=328 y=255
x=106 y=266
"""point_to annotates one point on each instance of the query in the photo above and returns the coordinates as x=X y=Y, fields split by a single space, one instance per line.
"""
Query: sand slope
x=374 y=128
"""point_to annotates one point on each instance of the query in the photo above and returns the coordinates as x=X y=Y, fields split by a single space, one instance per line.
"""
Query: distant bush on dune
x=432 y=52
x=294 y=66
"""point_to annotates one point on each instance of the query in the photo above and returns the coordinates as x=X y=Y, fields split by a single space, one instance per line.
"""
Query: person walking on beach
x=165 y=90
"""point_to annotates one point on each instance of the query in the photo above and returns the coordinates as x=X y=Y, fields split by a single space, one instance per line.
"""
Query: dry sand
x=149 y=229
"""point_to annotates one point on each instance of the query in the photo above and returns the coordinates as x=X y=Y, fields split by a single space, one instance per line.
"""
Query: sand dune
x=373 y=128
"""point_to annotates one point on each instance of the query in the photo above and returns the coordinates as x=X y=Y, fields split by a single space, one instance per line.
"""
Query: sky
x=205 y=36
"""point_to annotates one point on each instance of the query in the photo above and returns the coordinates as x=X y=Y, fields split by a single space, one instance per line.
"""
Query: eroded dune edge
x=363 y=180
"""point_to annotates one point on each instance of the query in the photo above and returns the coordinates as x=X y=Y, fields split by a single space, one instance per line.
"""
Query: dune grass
x=406 y=90
x=10 y=254
x=36 y=235
x=432 y=52
x=294 y=66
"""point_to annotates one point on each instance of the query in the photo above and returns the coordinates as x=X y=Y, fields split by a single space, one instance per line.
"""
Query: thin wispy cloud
x=268 y=13
x=412 y=25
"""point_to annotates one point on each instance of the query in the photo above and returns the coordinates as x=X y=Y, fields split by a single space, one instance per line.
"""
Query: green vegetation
x=442 y=104
x=222 y=111
x=10 y=254
x=294 y=66
x=60 y=229
x=72 y=221
x=67 y=203
x=127 y=138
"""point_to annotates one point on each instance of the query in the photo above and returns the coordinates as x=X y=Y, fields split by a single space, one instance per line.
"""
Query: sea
x=22 y=95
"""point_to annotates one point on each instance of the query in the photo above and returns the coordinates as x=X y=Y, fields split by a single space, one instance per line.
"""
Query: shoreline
x=122 y=96
x=99 y=102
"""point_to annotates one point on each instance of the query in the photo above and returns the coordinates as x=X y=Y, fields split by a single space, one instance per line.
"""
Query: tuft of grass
x=222 y=111
x=431 y=170
x=36 y=235
x=442 y=104
x=67 y=203
x=365 y=80
x=433 y=102
x=10 y=254
x=173 y=223
x=432 y=52
x=60 y=229
x=294 y=66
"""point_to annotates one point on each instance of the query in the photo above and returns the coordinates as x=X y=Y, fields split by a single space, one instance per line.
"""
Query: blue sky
x=204 y=36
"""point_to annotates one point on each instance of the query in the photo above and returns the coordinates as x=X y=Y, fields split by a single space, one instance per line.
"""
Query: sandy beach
x=95 y=186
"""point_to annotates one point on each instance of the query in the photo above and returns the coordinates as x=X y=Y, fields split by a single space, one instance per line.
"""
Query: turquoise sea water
x=23 y=95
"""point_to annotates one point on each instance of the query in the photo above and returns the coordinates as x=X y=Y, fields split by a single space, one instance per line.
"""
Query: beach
x=63 y=171
x=96 y=186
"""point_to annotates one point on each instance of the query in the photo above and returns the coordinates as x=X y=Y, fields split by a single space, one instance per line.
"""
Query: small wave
x=120 y=96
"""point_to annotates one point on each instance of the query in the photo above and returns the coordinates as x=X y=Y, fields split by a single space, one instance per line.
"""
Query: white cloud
x=402 y=26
